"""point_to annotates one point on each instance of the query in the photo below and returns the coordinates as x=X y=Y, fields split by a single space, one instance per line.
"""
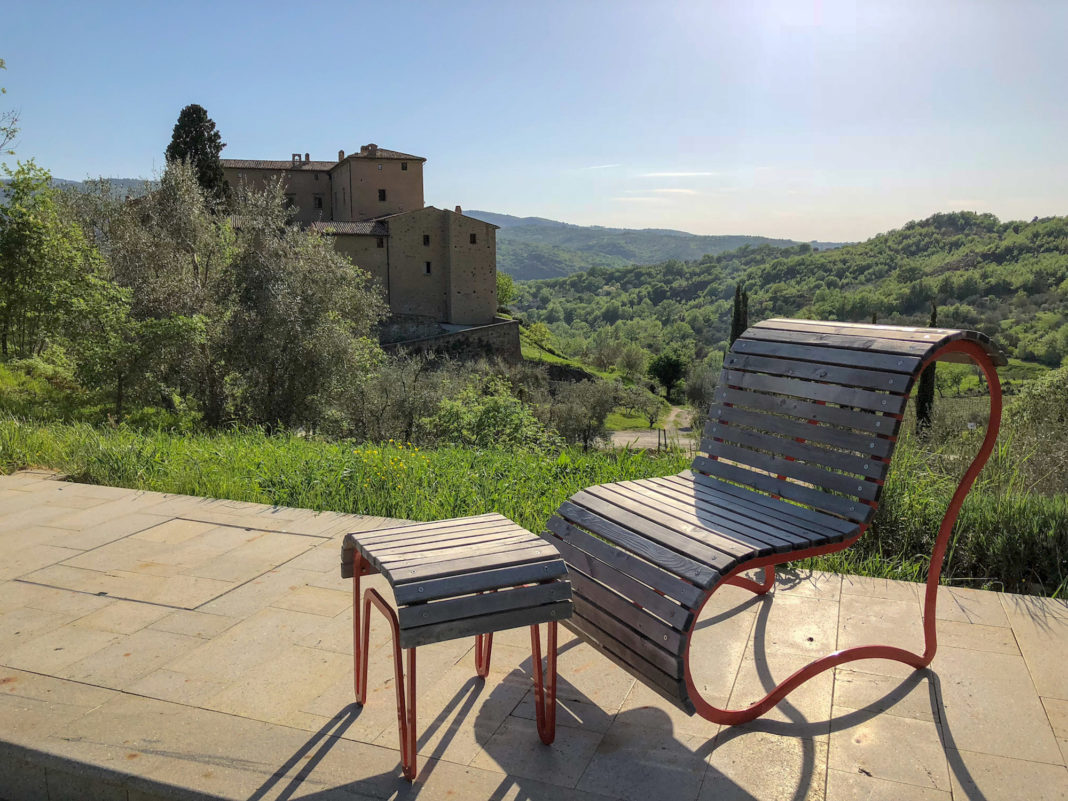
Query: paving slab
x=155 y=646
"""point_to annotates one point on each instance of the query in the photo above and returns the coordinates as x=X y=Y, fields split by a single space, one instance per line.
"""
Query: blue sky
x=801 y=119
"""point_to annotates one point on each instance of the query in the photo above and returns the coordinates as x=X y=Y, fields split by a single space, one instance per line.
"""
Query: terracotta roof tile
x=382 y=153
x=369 y=228
x=260 y=164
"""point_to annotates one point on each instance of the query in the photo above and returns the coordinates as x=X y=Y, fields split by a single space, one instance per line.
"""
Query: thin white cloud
x=601 y=167
x=677 y=191
x=678 y=174
x=640 y=199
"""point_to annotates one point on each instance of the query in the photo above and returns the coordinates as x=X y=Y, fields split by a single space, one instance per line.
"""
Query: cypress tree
x=740 y=315
x=196 y=140
x=925 y=389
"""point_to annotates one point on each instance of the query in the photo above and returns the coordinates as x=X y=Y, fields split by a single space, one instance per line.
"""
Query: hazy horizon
x=801 y=120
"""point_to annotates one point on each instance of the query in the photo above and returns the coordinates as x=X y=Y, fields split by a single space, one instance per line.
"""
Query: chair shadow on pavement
x=659 y=764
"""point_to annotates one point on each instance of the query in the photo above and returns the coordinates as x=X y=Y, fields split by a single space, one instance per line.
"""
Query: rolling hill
x=1007 y=279
x=534 y=247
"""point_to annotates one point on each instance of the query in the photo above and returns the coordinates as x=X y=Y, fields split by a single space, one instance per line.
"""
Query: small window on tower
x=474 y=239
x=381 y=242
x=426 y=268
x=380 y=168
x=381 y=194
x=404 y=165
x=317 y=201
x=426 y=239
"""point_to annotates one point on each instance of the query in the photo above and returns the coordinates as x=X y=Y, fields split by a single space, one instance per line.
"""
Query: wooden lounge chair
x=794 y=455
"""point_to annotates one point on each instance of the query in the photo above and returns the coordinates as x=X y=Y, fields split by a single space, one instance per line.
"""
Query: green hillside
x=533 y=247
x=1009 y=280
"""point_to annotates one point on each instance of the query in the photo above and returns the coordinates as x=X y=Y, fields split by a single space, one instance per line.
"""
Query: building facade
x=431 y=263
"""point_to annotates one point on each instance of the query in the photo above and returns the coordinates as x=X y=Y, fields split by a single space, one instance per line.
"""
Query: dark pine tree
x=740 y=316
x=196 y=140
x=925 y=389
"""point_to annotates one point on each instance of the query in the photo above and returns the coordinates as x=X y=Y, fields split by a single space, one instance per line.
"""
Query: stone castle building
x=433 y=264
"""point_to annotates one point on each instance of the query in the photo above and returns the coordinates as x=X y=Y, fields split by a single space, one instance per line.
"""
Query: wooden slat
x=930 y=336
x=871 y=344
x=735 y=416
x=808 y=410
x=791 y=528
x=810 y=390
x=428 y=614
x=667 y=661
x=683 y=566
x=484 y=624
x=638 y=504
x=603 y=561
x=581 y=563
x=380 y=534
x=479 y=581
x=496 y=545
x=801 y=471
x=456 y=536
x=813 y=371
x=450 y=567
x=637 y=618
x=807 y=451
x=770 y=535
x=827 y=355
x=815 y=520
x=834 y=504
x=663 y=535
x=751 y=540
x=670 y=688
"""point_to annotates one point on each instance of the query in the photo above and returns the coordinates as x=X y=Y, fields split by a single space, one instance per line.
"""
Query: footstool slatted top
x=466 y=576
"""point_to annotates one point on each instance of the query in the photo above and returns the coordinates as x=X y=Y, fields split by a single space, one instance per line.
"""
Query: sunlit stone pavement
x=161 y=646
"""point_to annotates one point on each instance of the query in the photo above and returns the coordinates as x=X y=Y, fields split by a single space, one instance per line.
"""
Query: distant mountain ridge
x=535 y=247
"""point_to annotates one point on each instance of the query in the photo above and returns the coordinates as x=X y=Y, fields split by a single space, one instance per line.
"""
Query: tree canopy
x=196 y=140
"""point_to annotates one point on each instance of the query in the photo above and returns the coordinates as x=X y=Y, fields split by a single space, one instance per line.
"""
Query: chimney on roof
x=341 y=155
x=459 y=210
x=307 y=157
x=296 y=158
x=370 y=149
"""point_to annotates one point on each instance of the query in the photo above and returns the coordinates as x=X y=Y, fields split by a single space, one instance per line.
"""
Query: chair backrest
x=810 y=411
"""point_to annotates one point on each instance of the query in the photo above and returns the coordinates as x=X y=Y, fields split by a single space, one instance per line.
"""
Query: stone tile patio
x=157 y=646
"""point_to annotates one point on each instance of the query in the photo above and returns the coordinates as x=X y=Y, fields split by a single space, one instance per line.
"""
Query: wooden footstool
x=457 y=578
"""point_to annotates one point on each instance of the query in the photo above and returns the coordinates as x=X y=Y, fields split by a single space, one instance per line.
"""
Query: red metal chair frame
x=544 y=681
x=934 y=572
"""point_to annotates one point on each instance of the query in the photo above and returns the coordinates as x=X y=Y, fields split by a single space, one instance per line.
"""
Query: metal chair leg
x=760 y=588
x=544 y=691
x=732 y=717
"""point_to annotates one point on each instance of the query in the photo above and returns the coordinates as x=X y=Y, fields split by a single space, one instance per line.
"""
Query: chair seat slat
x=683 y=566
x=844 y=357
x=813 y=371
x=812 y=391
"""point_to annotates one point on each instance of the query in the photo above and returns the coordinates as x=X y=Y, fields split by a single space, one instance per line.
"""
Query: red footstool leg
x=405 y=700
x=483 y=647
x=544 y=691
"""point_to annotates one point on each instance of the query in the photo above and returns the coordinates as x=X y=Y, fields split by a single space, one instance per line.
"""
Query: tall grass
x=390 y=479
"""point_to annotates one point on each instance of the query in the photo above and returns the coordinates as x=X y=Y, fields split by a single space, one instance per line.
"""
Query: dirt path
x=676 y=424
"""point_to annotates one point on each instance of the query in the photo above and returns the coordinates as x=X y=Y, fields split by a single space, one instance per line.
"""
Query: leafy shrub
x=488 y=415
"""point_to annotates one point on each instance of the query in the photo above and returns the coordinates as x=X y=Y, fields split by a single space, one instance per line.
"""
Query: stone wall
x=499 y=340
